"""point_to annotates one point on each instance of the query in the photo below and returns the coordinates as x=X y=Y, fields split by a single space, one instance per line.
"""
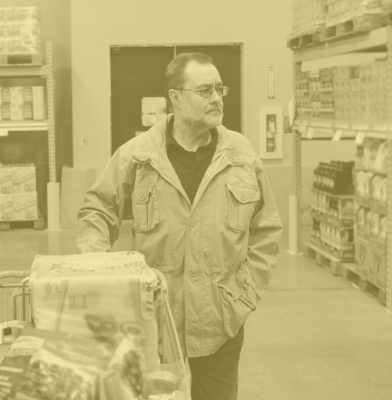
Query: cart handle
x=14 y=274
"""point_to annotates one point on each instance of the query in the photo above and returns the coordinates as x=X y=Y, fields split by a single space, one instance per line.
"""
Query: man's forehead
x=201 y=73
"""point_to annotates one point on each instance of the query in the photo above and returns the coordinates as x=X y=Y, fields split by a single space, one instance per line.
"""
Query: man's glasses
x=207 y=92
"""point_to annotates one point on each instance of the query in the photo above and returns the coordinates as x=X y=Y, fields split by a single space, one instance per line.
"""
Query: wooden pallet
x=322 y=258
x=38 y=225
x=307 y=39
x=350 y=275
x=9 y=60
x=362 y=23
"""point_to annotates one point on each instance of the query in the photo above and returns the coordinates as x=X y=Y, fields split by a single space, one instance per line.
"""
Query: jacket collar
x=152 y=145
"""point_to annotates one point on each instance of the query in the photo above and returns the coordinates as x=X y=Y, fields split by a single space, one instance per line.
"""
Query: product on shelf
x=19 y=31
x=344 y=92
x=334 y=178
x=18 y=196
x=6 y=207
x=22 y=103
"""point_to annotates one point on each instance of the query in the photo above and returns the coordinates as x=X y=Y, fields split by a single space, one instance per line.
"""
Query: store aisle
x=313 y=336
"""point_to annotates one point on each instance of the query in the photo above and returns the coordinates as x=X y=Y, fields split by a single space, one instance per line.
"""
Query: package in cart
x=43 y=365
x=106 y=296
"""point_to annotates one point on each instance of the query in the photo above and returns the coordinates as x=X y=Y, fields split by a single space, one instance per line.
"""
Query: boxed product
x=6 y=181
x=24 y=179
x=308 y=16
x=379 y=260
x=103 y=295
x=6 y=207
x=45 y=365
x=363 y=258
x=25 y=206
x=20 y=30
x=39 y=109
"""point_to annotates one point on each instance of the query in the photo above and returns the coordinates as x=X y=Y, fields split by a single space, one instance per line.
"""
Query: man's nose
x=215 y=97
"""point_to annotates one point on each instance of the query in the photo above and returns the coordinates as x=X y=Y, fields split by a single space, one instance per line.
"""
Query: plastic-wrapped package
x=308 y=16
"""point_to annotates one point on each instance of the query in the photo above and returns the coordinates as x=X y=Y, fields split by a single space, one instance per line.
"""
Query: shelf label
x=360 y=138
x=338 y=134
x=3 y=132
x=310 y=133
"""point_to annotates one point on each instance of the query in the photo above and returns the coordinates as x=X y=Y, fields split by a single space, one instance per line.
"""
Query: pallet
x=10 y=60
x=362 y=23
x=38 y=225
x=350 y=275
x=304 y=40
x=322 y=258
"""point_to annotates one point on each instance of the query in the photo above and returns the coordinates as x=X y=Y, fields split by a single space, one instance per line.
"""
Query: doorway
x=137 y=73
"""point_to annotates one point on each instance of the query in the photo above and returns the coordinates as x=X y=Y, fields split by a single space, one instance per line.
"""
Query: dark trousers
x=215 y=377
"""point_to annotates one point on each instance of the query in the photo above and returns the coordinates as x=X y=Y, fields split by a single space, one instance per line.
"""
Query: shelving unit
x=46 y=72
x=335 y=129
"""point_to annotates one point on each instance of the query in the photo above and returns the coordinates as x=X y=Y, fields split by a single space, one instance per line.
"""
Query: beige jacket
x=217 y=253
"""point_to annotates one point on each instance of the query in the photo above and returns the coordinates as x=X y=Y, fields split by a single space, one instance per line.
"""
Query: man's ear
x=174 y=98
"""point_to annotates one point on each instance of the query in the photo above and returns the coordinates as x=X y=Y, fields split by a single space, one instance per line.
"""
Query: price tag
x=338 y=134
x=310 y=133
x=360 y=137
x=3 y=132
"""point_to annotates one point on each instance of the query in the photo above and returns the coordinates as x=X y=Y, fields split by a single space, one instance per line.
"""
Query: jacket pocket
x=145 y=209
x=240 y=206
x=238 y=300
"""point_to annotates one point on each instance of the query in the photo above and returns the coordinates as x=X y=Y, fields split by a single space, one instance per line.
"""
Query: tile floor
x=312 y=337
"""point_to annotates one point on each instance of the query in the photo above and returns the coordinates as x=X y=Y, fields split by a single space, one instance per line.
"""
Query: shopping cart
x=16 y=303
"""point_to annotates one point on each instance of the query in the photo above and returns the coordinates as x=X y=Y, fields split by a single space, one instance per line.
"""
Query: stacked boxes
x=345 y=10
x=333 y=210
x=18 y=196
x=20 y=103
x=351 y=92
x=308 y=16
x=19 y=30
x=371 y=209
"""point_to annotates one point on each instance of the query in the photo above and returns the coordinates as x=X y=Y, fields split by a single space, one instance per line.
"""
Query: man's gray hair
x=175 y=71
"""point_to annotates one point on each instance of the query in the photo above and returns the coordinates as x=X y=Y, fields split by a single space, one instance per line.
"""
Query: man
x=202 y=213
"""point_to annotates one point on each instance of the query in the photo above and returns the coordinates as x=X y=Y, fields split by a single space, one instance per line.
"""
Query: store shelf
x=357 y=41
x=316 y=128
x=336 y=196
x=17 y=126
x=23 y=70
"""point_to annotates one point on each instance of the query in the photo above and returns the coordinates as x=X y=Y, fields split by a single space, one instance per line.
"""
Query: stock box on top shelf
x=20 y=32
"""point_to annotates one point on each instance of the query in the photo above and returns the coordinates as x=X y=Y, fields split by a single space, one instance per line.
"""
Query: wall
x=55 y=27
x=263 y=26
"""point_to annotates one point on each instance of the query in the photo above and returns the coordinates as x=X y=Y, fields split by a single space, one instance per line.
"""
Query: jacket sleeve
x=264 y=237
x=100 y=217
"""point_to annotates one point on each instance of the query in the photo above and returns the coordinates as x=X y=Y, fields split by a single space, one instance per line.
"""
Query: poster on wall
x=271 y=129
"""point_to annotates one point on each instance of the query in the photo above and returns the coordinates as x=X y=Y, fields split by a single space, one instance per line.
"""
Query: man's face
x=200 y=113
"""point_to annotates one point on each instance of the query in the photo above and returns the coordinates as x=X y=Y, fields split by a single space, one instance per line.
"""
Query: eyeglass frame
x=214 y=89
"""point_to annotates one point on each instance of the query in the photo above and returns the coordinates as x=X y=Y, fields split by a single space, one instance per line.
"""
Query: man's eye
x=205 y=92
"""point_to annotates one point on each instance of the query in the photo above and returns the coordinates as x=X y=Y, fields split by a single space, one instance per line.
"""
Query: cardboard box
x=6 y=180
x=379 y=264
x=24 y=179
x=25 y=207
x=364 y=258
x=6 y=207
